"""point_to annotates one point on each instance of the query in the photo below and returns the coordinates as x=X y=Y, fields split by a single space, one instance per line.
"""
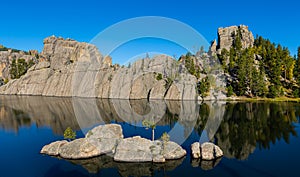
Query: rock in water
x=172 y=151
x=105 y=137
x=206 y=151
x=108 y=139
x=135 y=149
x=79 y=149
x=53 y=148
x=209 y=151
x=195 y=147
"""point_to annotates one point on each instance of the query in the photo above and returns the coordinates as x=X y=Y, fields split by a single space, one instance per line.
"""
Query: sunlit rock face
x=71 y=68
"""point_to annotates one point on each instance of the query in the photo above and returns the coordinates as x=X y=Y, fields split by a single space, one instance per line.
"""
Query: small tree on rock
x=69 y=134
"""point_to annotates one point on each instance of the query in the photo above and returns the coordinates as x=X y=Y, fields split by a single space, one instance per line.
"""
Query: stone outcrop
x=79 y=149
x=137 y=149
x=227 y=36
x=71 y=68
x=100 y=140
x=8 y=55
x=108 y=139
x=207 y=151
x=53 y=148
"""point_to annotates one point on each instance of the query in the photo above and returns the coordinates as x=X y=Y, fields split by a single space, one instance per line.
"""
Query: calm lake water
x=257 y=138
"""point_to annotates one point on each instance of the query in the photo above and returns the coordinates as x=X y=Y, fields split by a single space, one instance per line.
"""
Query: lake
x=257 y=138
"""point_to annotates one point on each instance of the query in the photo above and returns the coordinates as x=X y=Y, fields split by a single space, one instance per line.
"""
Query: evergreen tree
x=298 y=55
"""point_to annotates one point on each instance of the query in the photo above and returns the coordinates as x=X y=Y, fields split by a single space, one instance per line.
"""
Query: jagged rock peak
x=227 y=35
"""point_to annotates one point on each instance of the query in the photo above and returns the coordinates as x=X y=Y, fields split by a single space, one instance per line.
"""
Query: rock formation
x=72 y=68
x=7 y=55
x=226 y=37
x=207 y=151
x=108 y=139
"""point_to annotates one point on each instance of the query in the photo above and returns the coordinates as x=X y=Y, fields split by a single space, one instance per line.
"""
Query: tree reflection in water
x=238 y=128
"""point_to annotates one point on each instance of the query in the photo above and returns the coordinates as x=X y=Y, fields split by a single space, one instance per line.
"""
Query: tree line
x=264 y=70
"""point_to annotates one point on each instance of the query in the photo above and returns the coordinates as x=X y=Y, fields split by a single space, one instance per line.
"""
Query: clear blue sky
x=24 y=24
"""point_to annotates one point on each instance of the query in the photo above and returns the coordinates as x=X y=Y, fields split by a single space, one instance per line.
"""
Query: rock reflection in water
x=238 y=128
x=205 y=164
x=95 y=165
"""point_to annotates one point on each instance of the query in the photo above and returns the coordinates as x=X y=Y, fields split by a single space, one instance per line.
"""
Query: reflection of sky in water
x=21 y=141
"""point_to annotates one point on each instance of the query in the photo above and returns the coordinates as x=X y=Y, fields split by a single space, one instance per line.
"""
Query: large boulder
x=196 y=153
x=105 y=137
x=135 y=149
x=172 y=150
x=207 y=151
x=79 y=149
x=53 y=148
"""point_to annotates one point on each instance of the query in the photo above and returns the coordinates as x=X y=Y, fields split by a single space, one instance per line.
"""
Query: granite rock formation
x=72 y=68
x=227 y=35
x=108 y=139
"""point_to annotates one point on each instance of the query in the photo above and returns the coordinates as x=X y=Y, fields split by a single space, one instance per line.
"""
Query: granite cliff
x=71 y=68
x=68 y=68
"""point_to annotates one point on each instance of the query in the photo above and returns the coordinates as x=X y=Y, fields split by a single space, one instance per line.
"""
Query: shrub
x=229 y=91
x=159 y=76
x=203 y=87
x=69 y=134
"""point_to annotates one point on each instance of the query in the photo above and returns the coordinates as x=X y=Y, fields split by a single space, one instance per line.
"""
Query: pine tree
x=298 y=55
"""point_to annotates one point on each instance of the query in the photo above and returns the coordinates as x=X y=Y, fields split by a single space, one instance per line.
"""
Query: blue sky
x=24 y=24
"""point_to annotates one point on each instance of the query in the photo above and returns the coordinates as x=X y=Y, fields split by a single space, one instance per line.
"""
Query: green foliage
x=169 y=82
x=203 y=87
x=251 y=66
x=159 y=76
x=274 y=91
x=150 y=124
x=190 y=65
x=6 y=81
x=296 y=93
x=19 y=67
x=69 y=134
x=298 y=54
x=230 y=91
x=165 y=137
x=223 y=57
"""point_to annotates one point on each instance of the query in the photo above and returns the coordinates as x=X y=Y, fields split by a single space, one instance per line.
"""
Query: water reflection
x=96 y=164
x=250 y=125
x=238 y=128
